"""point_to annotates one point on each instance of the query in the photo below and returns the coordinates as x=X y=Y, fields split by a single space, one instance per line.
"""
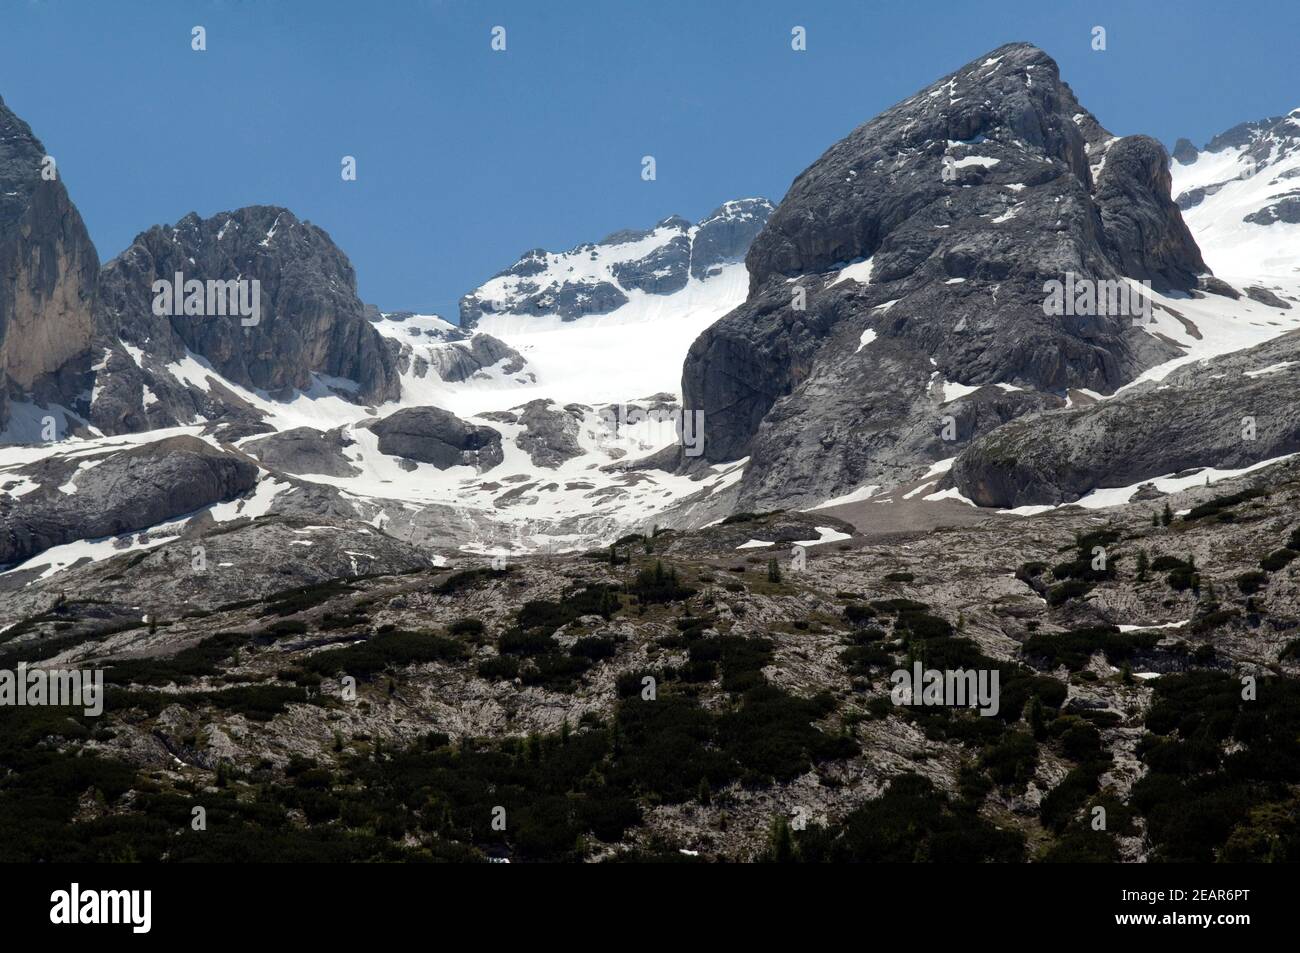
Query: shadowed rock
x=436 y=436
x=1196 y=417
x=304 y=450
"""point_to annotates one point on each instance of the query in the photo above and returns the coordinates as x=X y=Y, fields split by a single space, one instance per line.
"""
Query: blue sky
x=467 y=157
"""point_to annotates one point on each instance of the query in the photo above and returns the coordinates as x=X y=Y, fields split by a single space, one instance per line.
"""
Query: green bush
x=389 y=650
x=1252 y=581
x=1278 y=559
x=857 y=614
x=1064 y=591
x=468 y=579
x=911 y=822
x=659 y=585
x=499 y=668
x=1217 y=505
x=1073 y=649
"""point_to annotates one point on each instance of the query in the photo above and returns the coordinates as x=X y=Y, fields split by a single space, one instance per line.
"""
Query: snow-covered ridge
x=1240 y=197
x=601 y=277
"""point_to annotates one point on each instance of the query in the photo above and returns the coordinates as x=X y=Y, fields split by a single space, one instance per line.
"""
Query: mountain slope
x=1240 y=196
x=452 y=438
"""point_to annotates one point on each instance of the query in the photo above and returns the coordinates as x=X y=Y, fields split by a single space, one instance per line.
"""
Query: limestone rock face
x=48 y=270
x=304 y=450
x=130 y=490
x=1195 y=417
x=311 y=326
x=459 y=362
x=550 y=436
x=906 y=269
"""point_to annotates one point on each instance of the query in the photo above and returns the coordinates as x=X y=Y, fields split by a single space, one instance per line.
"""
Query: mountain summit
x=903 y=275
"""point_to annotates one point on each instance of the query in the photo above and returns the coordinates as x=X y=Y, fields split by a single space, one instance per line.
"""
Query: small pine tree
x=705 y=794
x=773 y=571
x=1155 y=519
x=780 y=846
x=1037 y=719
x=613 y=555
x=1166 y=515
x=1142 y=565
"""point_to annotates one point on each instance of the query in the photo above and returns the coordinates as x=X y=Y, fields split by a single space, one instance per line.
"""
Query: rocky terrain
x=311 y=323
x=685 y=695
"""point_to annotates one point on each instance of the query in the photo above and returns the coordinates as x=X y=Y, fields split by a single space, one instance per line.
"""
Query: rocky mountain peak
x=1005 y=119
x=309 y=321
x=915 y=253
x=49 y=266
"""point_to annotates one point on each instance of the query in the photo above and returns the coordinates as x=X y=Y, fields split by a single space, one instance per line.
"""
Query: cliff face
x=309 y=322
x=48 y=272
x=905 y=269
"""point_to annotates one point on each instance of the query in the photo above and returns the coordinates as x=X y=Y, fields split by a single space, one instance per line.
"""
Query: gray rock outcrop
x=304 y=450
x=1228 y=413
x=131 y=490
x=436 y=436
x=460 y=361
x=550 y=436
x=540 y=283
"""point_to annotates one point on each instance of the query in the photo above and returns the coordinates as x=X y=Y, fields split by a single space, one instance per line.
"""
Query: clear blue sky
x=468 y=157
